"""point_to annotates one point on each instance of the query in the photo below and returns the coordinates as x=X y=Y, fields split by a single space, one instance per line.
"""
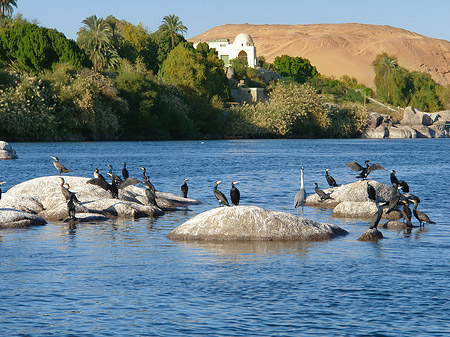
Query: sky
x=429 y=18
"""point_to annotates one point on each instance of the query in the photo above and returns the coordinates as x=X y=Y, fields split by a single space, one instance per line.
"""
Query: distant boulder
x=248 y=223
x=402 y=131
x=6 y=151
x=412 y=117
x=43 y=196
x=378 y=133
x=10 y=218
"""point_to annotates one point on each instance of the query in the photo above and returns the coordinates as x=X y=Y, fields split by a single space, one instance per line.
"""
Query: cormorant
x=235 y=195
x=60 y=167
x=125 y=173
x=321 y=194
x=146 y=180
x=402 y=183
x=395 y=199
x=1 y=183
x=150 y=193
x=220 y=196
x=421 y=216
x=71 y=206
x=114 y=187
x=300 y=197
x=364 y=170
x=330 y=180
x=66 y=192
x=406 y=213
x=114 y=178
x=184 y=188
x=377 y=215
x=97 y=174
x=371 y=192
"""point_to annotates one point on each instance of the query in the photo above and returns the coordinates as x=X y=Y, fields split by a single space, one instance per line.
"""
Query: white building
x=241 y=47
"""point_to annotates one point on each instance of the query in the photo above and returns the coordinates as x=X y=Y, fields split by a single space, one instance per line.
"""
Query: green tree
x=6 y=7
x=297 y=69
x=172 y=25
x=96 y=38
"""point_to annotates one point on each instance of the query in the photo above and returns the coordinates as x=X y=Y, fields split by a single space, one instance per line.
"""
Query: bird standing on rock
x=330 y=180
x=235 y=195
x=300 y=197
x=184 y=188
x=421 y=216
x=60 y=167
x=371 y=193
x=321 y=194
x=125 y=173
x=364 y=171
x=377 y=215
x=220 y=196
x=406 y=213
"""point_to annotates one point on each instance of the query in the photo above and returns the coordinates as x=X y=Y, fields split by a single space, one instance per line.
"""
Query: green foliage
x=172 y=25
x=6 y=7
x=33 y=49
x=240 y=66
x=347 y=120
x=296 y=69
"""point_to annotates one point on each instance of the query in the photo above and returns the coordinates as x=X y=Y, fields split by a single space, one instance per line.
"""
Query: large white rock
x=253 y=223
x=43 y=196
x=10 y=218
x=412 y=116
x=6 y=151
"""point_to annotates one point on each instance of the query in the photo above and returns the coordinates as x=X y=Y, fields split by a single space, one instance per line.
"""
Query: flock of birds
x=118 y=183
x=399 y=202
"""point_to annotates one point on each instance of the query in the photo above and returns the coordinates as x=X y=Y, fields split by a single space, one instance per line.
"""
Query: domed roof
x=243 y=39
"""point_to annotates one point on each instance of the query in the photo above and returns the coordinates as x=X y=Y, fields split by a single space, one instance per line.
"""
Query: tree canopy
x=297 y=69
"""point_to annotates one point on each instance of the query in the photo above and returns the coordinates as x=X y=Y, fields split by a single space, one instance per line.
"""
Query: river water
x=126 y=278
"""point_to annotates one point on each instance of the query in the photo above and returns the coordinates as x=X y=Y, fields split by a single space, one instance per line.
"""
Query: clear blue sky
x=430 y=18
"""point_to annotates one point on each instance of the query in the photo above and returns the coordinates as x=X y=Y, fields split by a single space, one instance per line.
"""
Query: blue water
x=127 y=278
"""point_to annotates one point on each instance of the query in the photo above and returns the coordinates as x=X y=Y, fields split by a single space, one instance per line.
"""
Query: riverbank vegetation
x=118 y=81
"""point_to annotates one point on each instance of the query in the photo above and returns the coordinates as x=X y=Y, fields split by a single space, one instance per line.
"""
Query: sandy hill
x=344 y=49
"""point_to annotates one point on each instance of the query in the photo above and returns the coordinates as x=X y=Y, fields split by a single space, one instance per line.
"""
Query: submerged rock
x=253 y=223
x=11 y=218
x=43 y=196
x=371 y=235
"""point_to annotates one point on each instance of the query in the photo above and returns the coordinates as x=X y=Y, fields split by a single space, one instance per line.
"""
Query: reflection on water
x=125 y=277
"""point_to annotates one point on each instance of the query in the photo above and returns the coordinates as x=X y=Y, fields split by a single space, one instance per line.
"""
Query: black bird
x=321 y=194
x=406 y=213
x=68 y=195
x=402 y=183
x=98 y=175
x=146 y=181
x=421 y=216
x=364 y=171
x=330 y=180
x=377 y=215
x=1 y=183
x=150 y=193
x=144 y=177
x=125 y=173
x=395 y=199
x=300 y=197
x=114 y=178
x=235 y=195
x=371 y=192
x=184 y=188
x=114 y=187
x=71 y=206
x=60 y=167
x=220 y=196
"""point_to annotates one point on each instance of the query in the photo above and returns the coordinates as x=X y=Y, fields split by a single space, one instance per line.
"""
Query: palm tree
x=96 y=38
x=172 y=25
x=6 y=7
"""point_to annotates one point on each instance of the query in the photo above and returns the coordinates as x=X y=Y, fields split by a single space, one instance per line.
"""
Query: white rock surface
x=11 y=218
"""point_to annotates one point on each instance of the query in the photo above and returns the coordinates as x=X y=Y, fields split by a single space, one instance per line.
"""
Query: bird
x=150 y=193
x=184 y=188
x=60 y=167
x=300 y=197
x=125 y=173
x=393 y=202
x=371 y=192
x=364 y=171
x=330 y=180
x=421 y=216
x=114 y=187
x=376 y=216
x=146 y=180
x=220 y=196
x=68 y=195
x=71 y=206
x=1 y=183
x=114 y=178
x=406 y=213
x=235 y=195
x=320 y=193
x=97 y=174
x=402 y=183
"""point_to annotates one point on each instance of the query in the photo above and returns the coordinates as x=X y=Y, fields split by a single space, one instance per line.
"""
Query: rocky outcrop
x=42 y=196
x=11 y=218
x=415 y=124
x=352 y=201
x=247 y=223
x=7 y=152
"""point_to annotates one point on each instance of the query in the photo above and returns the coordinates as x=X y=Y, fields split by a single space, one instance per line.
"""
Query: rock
x=393 y=224
x=402 y=131
x=10 y=218
x=43 y=196
x=440 y=117
x=412 y=117
x=371 y=235
x=374 y=120
x=87 y=217
x=6 y=151
x=380 y=132
x=361 y=210
x=248 y=223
